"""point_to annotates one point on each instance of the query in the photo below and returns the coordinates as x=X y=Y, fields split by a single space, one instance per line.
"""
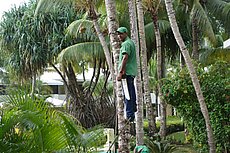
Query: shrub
x=215 y=84
x=174 y=124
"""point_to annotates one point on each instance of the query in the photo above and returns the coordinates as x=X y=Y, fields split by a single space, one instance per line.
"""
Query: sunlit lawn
x=186 y=148
x=182 y=147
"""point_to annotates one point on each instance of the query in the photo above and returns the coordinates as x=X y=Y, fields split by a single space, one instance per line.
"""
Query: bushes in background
x=215 y=83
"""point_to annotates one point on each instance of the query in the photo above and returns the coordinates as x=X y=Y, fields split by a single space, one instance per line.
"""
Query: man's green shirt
x=129 y=48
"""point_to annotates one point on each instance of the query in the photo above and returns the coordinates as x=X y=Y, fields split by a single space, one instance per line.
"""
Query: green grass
x=173 y=120
x=177 y=137
x=181 y=146
x=169 y=121
x=187 y=148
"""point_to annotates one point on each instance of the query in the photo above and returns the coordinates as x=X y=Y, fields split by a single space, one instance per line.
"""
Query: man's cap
x=122 y=30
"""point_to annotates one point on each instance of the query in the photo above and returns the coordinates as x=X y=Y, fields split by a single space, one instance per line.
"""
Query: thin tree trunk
x=182 y=62
x=160 y=75
x=105 y=48
x=195 y=53
x=97 y=77
x=33 y=85
x=94 y=72
x=134 y=37
x=123 y=140
x=147 y=98
x=195 y=81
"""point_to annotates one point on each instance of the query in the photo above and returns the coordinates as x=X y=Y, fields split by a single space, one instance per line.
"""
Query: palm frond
x=226 y=12
x=48 y=5
x=40 y=128
x=201 y=17
x=93 y=138
x=216 y=6
x=81 y=51
x=164 y=26
x=81 y=26
x=210 y=56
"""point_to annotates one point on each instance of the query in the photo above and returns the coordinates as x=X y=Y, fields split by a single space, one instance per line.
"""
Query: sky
x=5 y=5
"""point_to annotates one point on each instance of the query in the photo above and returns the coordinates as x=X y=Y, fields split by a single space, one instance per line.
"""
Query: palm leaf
x=79 y=26
x=210 y=56
x=81 y=51
x=216 y=7
x=93 y=137
x=200 y=15
x=48 y=5
x=164 y=26
x=226 y=14
x=42 y=129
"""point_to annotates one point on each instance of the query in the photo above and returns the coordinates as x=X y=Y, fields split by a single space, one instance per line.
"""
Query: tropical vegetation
x=33 y=125
x=72 y=36
x=179 y=92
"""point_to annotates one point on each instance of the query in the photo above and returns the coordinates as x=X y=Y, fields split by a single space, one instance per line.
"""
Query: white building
x=226 y=44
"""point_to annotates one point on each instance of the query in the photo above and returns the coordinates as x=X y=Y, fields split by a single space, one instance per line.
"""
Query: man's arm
x=121 y=72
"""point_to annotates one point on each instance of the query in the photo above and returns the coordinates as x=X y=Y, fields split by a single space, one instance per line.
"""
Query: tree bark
x=195 y=81
x=145 y=72
x=160 y=64
x=195 y=53
x=123 y=139
x=134 y=37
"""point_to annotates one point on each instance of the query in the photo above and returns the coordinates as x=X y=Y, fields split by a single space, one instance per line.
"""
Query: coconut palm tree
x=192 y=73
x=145 y=73
x=153 y=8
x=200 y=23
x=203 y=20
x=134 y=36
x=112 y=28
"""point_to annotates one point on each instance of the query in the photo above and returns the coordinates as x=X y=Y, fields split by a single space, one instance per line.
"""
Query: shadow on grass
x=186 y=148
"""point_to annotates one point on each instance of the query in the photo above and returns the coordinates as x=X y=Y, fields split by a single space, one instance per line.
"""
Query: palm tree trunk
x=195 y=81
x=145 y=72
x=123 y=140
x=160 y=74
x=134 y=37
x=104 y=45
x=182 y=62
x=195 y=53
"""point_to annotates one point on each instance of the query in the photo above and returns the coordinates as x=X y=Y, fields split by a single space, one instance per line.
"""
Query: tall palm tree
x=123 y=141
x=134 y=36
x=192 y=73
x=153 y=8
x=145 y=73
x=202 y=22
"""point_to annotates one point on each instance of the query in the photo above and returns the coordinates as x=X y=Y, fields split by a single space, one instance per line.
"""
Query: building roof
x=53 y=78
